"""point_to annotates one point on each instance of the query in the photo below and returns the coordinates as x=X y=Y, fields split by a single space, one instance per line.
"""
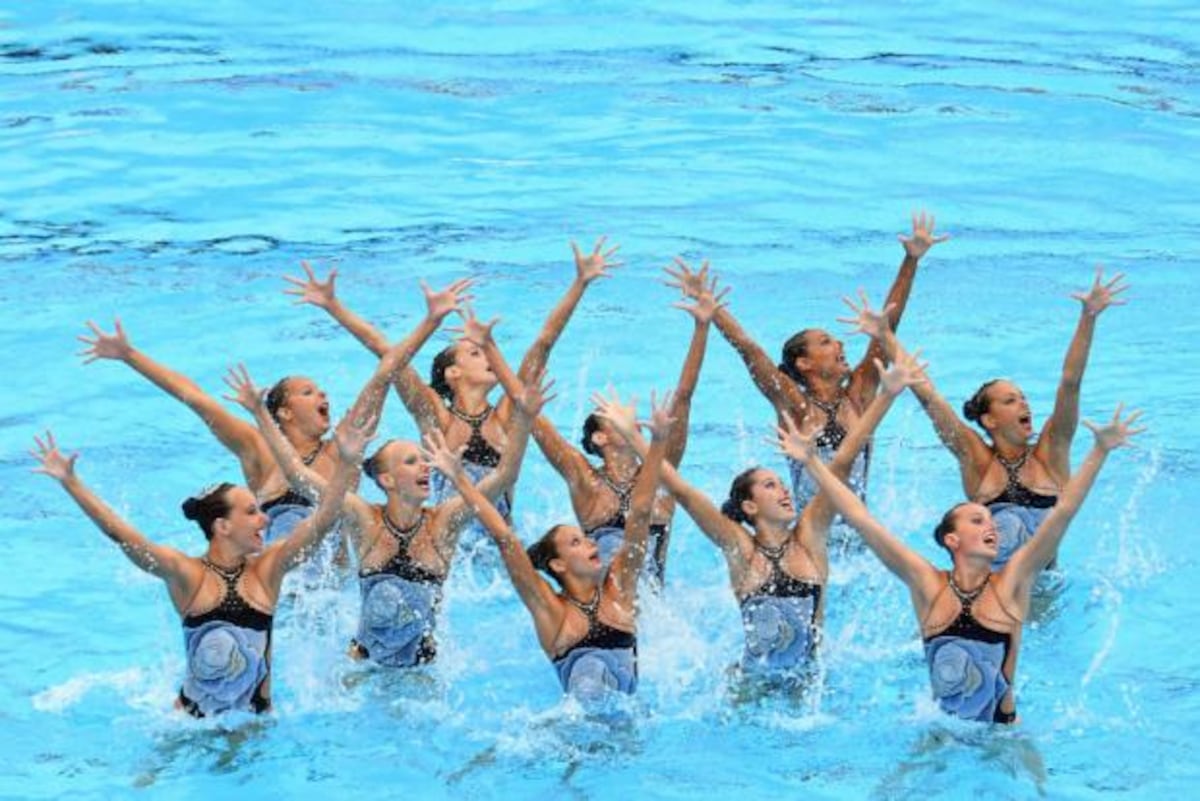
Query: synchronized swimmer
x=580 y=581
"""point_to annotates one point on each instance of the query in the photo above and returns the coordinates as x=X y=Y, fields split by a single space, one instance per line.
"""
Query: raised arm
x=572 y=465
x=971 y=451
x=778 y=389
x=238 y=436
x=1029 y=560
x=906 y=563
x=457 y=511
x=537 y=595
x=418 y=397
x=864 y=381
x=294 y=549
x=588 y=267
x=706 y=304
x=1059 y=431
x=398 y=357
x=627 y=562
x=727 y=535
x=158 y=560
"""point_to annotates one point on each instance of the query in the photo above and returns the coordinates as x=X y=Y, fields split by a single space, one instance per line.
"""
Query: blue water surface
x=168 y=163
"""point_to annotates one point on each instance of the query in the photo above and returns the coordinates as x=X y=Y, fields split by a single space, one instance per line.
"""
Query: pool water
x=168 y=164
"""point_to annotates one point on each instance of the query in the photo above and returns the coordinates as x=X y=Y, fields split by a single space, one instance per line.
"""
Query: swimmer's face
x=769 y=499
x=578 y=554
x=1007 y=411
x=245 y=523
x=406 y=474
x=471 y=365
x=306 y=407
x=824 y=355
x=974 y=532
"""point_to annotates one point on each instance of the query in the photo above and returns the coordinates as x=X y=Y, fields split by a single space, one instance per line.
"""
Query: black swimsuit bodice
x=624 y=493
x=289 y=498
x=599 y=633
x=233 y=608
x=401 y=564
x=782 y=584
x=1016 y=492
x=478 y=451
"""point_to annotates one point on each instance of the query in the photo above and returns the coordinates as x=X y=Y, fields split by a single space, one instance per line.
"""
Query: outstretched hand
x=622 y=416
x=312 y=290
x=590 y=266
x=1101 y=295
x=907 y=371
x=535 y=395
x=922 y=238
x=245 y=393
x=447 y=300
x=866 y=320
x=1117 y=432
x=472 y=328
x=661 y=417
x=438 y=455
x=708 y=300
x=691 y=283
x=791 y=442
x=50 y=460
x=105 y=346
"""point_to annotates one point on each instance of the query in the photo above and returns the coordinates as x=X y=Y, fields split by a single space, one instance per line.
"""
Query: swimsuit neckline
x=473 y=420
x=229 y=574
x=403 y=534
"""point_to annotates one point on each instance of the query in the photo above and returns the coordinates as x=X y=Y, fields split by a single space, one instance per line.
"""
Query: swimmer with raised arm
x=812 y=383
x=588 y=628
x=226 y=597
x=296 y=403
x=455 y=401
x=1018 y=481
x=601 y=496
x=971 y=618
x=405 y=548
x=778 y=568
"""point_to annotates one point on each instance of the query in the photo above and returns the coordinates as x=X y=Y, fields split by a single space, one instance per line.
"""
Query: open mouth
x=323 y=410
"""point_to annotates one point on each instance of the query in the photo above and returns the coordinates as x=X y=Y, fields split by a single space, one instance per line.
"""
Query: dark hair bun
x=191 y=508
x=733 y=510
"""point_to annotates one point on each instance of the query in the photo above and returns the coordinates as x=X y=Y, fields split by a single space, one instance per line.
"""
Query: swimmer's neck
x=471 y=400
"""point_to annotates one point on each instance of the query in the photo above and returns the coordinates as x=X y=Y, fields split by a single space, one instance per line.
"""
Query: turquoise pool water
x=168 y=165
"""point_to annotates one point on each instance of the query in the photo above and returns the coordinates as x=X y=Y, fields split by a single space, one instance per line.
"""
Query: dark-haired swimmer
x=971 y=617
x=812 y=384
x=226 y=597
x=779 y=568
x=455 y=401
x=296 y=403
x=405 y=549
x=601 y=496
x=588 y=628
x=1017 y=481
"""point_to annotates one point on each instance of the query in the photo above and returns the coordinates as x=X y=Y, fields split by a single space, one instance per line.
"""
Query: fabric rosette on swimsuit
x=225 y=666
x=966 y=676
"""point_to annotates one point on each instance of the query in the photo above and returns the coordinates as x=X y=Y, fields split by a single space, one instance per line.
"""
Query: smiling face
x=824 y=356
x=971 y=533
x=305 y=407
x=1007 y=414
x=243 y=525
x=401 y=471
x=769 y=500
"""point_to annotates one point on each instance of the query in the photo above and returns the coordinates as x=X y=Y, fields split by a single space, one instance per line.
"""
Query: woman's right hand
x=51 y=461
x=105 y=346
x=312 y=290
x=245 y=394
x=792 y=443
